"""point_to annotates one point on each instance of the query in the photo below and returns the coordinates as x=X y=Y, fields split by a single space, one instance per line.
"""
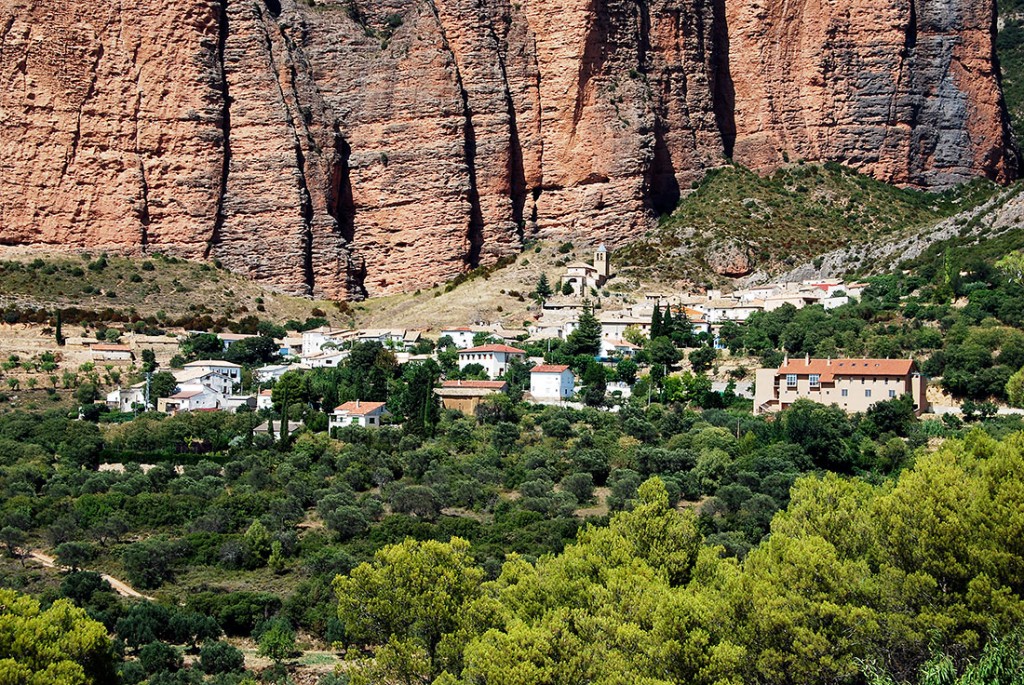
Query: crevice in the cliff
x=723 y=91
x=475 y=234
x=76 y=135
x=516 y=169
x=294 y=122
x=341 y=206
x=910 y=40
x=225 y=124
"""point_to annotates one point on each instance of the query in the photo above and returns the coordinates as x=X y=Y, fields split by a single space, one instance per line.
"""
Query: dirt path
x=120 y=587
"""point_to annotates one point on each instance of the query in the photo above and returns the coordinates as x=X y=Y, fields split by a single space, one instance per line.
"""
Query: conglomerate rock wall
x=346 y=148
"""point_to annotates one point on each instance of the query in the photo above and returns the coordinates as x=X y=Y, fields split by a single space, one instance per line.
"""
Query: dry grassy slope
x=488 y=297
x=175 y=287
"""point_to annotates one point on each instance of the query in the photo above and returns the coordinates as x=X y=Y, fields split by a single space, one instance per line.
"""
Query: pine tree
x=544 y=287
x=586 y=339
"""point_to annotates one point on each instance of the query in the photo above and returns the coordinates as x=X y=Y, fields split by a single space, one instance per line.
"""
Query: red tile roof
x=359 y=408
x=549 y=368
x=491 y=385
x=829 y=369
x=493 y=348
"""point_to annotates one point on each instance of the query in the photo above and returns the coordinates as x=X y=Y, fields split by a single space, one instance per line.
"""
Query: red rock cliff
x=361 y=147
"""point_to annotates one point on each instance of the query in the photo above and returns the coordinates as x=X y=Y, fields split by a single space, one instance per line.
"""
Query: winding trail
x=120 y=587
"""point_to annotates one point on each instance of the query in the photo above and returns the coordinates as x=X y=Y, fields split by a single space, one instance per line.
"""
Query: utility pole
x=149 y=377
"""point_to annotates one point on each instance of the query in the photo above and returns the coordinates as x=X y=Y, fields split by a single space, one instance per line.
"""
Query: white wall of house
x=462 y=339
x=495 y=363
x=552 y=386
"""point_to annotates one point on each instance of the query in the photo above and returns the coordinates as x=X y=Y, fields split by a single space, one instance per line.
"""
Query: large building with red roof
x=851 y=384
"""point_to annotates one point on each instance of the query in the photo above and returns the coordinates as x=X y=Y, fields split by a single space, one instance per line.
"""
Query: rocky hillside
x=347 y=148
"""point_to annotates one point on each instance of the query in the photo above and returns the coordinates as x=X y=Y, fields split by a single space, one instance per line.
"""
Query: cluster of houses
x=852 y=384
x=706 y=311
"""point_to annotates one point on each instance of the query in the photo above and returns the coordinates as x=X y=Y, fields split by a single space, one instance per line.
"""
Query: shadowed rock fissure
x=225 y=125
x=723 y=92
x=305 y=200
x=516 y=170
x=76 y=135
x=475 y=235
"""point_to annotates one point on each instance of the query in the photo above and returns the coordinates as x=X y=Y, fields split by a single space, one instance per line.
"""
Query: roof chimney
x=807 y=359
x=357 y=404
x=829 y=361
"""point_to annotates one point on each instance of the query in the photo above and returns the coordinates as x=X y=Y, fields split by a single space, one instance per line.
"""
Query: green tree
x=56 y=646
x=663 y=352
x=162 y=384
x=1015 y=389
x=586 y=339
x=277 y=641
x=1012 y=264
x=411 y=592
x=416 y=399
x=149 y=363
x=657 y=329
x=221 y=657
x=543 y=289
x=158 y=657
x=626 y=370
x=703 y=358
x=595 y=384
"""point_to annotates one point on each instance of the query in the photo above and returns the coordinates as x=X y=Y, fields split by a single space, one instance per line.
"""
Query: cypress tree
x=667 y=325
x=656 y=325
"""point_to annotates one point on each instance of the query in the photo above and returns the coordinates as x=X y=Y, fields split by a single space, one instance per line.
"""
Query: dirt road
x=120 y=587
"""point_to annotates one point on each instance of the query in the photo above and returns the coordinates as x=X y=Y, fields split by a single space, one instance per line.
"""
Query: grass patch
x=796 y=213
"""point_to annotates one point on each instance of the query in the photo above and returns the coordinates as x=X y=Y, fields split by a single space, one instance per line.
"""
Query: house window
x=790 y=380
x=844 y=392
x=867 y=393
x=892 y=393
x=815 y=380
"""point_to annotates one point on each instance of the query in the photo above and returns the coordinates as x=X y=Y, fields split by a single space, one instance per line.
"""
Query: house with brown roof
x=851 y=384
x=494 y=358
x=358 y=413
x=552 y=382
x=464 y=396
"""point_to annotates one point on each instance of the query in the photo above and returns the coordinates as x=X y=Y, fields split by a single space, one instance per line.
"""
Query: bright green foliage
x=277 y=641
x=58 y=646
x=413 y=592
x=853 y=574
x=1015 y=389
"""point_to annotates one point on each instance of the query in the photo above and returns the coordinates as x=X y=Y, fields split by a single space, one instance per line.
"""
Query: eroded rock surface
x=347 y=148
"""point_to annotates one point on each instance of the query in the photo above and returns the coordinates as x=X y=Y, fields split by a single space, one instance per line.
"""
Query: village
x=487 y=351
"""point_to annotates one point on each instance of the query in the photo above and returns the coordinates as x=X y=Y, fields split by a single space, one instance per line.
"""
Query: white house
x=494 y=358
x=265 y=400
x=233 y=402
x=191 y=397
x=552 y=382
x=326 y=359
x=314 y=340
x=214 y=380
x=231 y=371
x=126 y=399
x=462 y=336
x=365 y=414
x=272 y=372
x=611 y=347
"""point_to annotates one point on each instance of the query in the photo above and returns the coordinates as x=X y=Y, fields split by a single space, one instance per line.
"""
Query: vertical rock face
x=905 y=90
x=347 y=148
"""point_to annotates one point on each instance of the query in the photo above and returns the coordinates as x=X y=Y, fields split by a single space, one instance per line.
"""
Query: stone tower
x=601 y=262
